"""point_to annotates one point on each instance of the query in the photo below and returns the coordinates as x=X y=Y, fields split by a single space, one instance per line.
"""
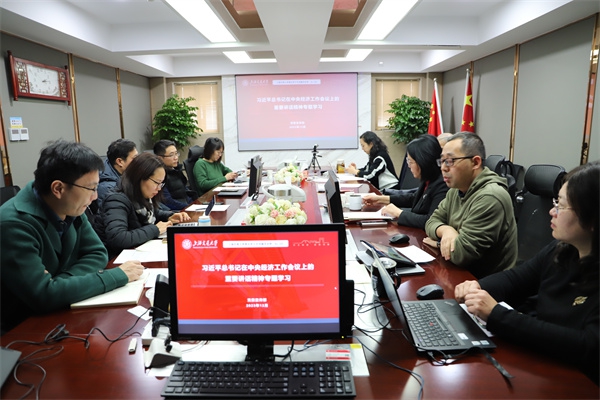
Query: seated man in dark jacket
x=176 y=194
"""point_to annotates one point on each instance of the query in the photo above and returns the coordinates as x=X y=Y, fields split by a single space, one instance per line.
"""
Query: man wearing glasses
x=176 y=194
x=474 y=226
x=50 y=255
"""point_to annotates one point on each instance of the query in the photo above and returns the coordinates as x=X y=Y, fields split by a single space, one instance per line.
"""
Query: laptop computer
x=8 y=360
x=232 y=191
x=459 y=332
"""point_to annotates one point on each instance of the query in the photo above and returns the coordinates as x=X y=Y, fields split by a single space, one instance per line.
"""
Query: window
x=388 y=90
x=207 y=99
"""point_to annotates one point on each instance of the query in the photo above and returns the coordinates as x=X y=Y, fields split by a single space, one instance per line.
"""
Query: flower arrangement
x=276 y=212
x=290 y=171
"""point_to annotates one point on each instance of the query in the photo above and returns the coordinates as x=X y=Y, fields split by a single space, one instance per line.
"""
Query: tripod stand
x=314 y=163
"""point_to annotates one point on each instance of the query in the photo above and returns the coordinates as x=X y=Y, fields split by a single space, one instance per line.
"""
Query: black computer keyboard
x=426 y=327
x=319 y=379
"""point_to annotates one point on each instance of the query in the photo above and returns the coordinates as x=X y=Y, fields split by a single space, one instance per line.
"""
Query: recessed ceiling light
x=385 y=18
x=353 y=55
x=241 y=57
x=203 y=19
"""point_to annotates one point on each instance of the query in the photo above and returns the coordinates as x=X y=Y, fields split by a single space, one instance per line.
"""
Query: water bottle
x=204 y=220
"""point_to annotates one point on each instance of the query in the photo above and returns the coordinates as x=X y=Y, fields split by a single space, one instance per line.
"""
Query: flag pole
x=437 y=101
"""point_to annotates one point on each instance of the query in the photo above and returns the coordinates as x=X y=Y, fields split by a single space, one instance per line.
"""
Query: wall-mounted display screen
x=295 y=112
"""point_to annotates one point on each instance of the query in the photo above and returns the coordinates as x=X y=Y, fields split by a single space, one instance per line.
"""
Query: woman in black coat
x=131 y=215
x=414 y=208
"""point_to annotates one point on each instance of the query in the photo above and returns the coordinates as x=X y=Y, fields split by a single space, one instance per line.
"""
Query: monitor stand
x=259 y=351
x=251 y=200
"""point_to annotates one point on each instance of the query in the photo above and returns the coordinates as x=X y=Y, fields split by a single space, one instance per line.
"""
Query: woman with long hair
x=564 y=322
x=209 y=170
x=380 y=168
x=131 y=215
x=413 y=208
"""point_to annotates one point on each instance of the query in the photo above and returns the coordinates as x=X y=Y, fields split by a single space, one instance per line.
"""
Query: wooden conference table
x=108 y=371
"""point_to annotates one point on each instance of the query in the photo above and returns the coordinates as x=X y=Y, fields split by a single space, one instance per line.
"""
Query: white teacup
x=355 y=202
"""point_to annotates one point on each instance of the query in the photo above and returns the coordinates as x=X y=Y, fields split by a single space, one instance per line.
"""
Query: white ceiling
x=149 y=38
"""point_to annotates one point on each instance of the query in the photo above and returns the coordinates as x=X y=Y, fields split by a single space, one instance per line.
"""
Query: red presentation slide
x=297 y=111
x=270 y=276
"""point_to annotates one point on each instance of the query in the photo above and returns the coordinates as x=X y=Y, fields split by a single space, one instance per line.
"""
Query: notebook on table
x=459 y=332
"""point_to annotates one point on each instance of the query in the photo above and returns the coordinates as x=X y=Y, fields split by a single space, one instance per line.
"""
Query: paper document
x=364 y=215
x=415 y=254
x=152 y=273
x=128 y=294
x=151 y=251
x=349 y=186
x=196 y=207
x=235 y=184
x=349 y=177
x=357 y=272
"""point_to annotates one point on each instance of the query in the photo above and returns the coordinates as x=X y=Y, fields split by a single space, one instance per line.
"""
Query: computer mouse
x=399 y=238
x=429 y=292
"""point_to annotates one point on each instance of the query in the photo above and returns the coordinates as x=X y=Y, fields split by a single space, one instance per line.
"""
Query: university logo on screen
x=188 y=244
x=255 y=82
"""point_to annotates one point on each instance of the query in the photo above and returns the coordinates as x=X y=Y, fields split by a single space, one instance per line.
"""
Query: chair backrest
x=504 y=168
x=8 y=192
x=194 y=153
x=407 y=179
x=541 y=184
x=495 y=162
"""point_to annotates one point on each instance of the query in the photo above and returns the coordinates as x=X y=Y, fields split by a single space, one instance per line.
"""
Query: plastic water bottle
x=204 y=220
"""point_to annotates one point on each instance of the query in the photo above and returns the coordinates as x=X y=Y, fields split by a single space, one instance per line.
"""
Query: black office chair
x=194 y=153
x=8 y=192
x=542 y=183
x=407 y=183
x=495 y=163
x=504 y=168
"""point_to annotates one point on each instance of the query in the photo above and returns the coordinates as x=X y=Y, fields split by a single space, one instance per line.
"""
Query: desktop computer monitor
x=255 y=179
x=334 y=199
x=258 y=284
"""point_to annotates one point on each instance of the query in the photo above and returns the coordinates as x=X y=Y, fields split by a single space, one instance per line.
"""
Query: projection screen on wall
x=295 y=112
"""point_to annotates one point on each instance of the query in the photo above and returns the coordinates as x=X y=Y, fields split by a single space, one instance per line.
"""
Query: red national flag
x=435 y=116
x=468 y=123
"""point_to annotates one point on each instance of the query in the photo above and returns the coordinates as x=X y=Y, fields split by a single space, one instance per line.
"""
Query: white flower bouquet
x=276 y=212
x=292 y=172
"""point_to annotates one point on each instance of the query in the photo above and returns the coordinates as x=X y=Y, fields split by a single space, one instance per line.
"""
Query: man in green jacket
x=50 y=255
x=474 y=226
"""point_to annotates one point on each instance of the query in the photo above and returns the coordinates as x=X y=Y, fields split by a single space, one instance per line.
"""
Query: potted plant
x=176 y=121
x=410 y=119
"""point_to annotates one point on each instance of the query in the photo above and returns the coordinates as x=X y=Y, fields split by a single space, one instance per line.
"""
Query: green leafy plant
x=410 y=118
x=176 y=121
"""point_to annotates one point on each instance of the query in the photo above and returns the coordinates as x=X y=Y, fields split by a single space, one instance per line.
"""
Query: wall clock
x=32 y=79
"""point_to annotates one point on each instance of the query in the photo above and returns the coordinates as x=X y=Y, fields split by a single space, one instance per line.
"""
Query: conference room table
x=106 y=370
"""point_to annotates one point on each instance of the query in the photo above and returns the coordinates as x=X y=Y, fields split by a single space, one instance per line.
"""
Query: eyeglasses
x=83 y=187
x=172 y=155
x=160 y=185
x=410 y=162
x=557 y=208
x=449 y=162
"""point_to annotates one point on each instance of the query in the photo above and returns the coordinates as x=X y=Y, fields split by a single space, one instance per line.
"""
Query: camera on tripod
x=314 y=163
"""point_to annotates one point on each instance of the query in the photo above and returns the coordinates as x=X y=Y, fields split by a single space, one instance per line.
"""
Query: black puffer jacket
x=176 y=195
x=123 y=225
